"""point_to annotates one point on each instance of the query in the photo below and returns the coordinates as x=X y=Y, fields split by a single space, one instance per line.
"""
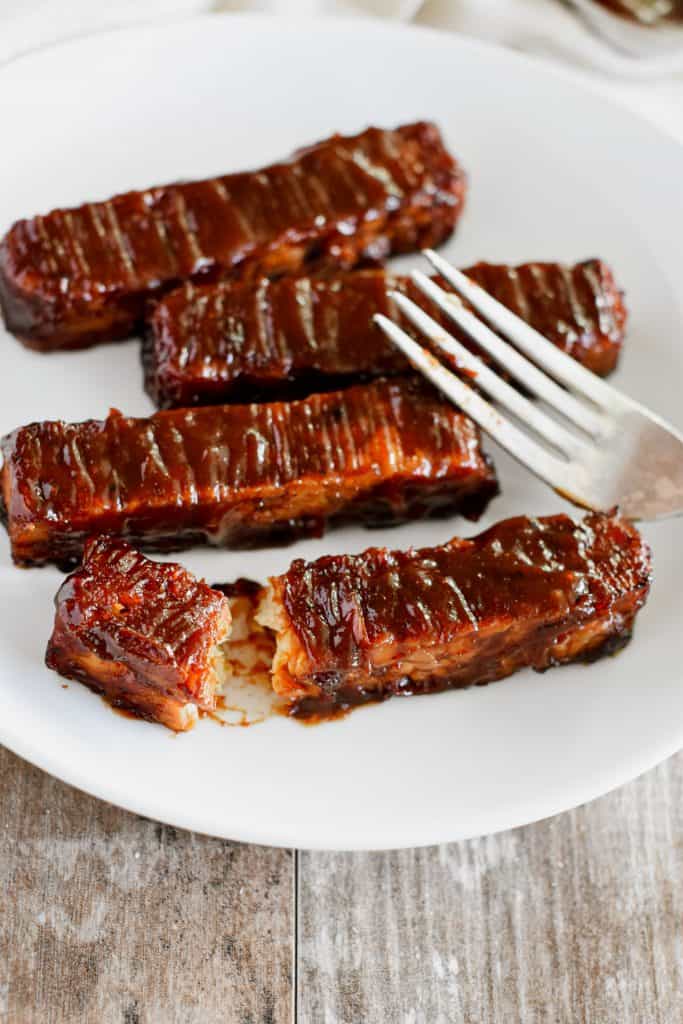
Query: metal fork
x=599 y=448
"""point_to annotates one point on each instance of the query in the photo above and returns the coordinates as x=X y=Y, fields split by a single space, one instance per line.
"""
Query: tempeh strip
x=385 y=452
x=283 y=339
x=527 y=592
x=76 y=277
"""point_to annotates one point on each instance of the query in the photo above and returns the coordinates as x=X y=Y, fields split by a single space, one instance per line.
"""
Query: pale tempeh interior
x=243 y=665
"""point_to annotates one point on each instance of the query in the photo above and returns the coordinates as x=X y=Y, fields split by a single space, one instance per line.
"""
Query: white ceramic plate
x=556 y=173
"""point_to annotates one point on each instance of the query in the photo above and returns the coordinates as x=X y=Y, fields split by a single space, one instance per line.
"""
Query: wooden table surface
x=109 y=918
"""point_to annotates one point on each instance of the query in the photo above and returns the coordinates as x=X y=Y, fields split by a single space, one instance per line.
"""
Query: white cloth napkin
x=550 y=27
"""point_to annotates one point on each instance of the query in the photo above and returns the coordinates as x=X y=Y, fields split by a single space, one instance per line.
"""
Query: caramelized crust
x=287 y=338
x=77 y=277
x=527 y=592
x=238 y=475
x=142 y=633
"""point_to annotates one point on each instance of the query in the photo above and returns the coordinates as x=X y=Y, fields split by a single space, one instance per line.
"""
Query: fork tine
x=516 y=364
x=490 y=382
x=522 y=447
x=561 y=366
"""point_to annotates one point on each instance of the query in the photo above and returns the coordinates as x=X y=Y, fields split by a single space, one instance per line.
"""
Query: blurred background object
x=644 y=29
x=648 y=12
x=586 y=32
x=634 y=39
x=625 y=38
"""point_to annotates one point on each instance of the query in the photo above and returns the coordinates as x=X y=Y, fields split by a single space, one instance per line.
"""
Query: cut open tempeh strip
x=157 y=642
x=345 y=630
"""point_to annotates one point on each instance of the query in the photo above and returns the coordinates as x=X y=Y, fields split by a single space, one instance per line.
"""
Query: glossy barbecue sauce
x=142 y=633
x=156 y=641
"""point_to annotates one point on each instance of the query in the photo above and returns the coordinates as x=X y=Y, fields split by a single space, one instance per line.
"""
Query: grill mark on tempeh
x=120 y=242
x=83 y=266
x=48 y=249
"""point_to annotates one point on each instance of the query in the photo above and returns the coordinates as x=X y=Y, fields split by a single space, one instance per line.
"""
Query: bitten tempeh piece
x=283 y=339
x=142 y=633
x=76 y=277
x=237 y=475
x=527 y=592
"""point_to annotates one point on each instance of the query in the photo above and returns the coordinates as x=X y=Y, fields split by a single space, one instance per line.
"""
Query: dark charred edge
x=339 y=703
x=611 y=646
x=15 y=309
x=280 y=535
x=378 y=511
x=115 y=703
x=31 y=320
x=149 y=380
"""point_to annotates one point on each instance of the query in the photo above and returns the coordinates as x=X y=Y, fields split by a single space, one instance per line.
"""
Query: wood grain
x=576 y=920
x=107 y=918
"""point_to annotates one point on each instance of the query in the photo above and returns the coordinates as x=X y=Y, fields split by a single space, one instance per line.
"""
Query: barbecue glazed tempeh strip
x=142 y=633
x=346 y=630
x=527 y=592
x=283 y=339
x=76 y=277
x=235 y=475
